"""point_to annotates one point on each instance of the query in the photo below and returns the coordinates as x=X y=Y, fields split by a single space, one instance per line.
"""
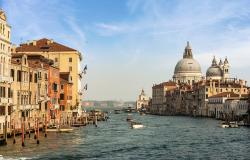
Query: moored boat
x=224 y=125
x=136 y=125
x=117 y=111
x=233 y=125
x=229 y=125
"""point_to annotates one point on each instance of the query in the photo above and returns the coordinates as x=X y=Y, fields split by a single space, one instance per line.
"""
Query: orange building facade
x=54 y=95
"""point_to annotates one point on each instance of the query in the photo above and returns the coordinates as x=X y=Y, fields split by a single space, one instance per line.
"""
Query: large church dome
x=187 y=70
x=187 y=65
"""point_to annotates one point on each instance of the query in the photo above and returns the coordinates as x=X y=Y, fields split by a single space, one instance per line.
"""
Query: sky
x=132 y=44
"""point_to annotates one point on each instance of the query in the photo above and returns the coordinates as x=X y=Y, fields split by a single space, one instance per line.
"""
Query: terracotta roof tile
x=169 y=83
x=43 y=45
x=225 y=94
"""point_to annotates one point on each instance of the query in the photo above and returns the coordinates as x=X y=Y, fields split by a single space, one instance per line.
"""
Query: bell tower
x=226 y=69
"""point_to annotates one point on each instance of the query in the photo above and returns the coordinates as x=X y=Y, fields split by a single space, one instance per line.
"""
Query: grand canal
x=161 y=138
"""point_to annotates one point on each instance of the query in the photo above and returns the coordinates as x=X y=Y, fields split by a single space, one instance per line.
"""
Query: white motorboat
x=224 y=125
x=233 y=125
x=56 y=129
x=229 y=125
x=136 y=125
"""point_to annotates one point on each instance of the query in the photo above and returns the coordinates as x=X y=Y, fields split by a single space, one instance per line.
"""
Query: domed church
x=187 y=70
x=218 y=71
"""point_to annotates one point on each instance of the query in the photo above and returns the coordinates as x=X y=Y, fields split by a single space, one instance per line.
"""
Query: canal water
x=161 y=138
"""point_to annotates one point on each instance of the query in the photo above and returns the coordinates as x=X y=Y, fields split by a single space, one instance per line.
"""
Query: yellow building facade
x=65 y=58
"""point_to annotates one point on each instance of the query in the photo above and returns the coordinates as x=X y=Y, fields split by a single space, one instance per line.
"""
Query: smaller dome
x=214 y=71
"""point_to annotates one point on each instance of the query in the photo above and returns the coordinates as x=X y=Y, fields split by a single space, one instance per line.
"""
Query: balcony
x=6 y=79
x=35 y=106
x=25 y=107
x=4 y=100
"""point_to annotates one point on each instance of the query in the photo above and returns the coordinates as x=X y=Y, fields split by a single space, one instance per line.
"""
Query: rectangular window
x=30 y=77
x=70 y=59
x=61 y=96
x=56 y=59
x=19 y=76
x=70 y=68
x=61 y=86
x=35 y=78
x=9 y=93
x=12 y=73
x=55 y=87
x=46 y=106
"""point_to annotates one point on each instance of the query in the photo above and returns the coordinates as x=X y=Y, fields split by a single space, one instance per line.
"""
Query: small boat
x=224 y=125
x=136 y=125
x=233 y=125
x=52 y=128
x=56 y=129
x=117 y=111
x=65 y=129
x=229 y=125
x=129 y=118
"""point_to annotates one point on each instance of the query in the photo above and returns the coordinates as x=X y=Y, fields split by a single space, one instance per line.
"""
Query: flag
x=85 y=69
x=86 y=87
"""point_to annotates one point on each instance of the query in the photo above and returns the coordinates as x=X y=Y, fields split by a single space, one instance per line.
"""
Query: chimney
x=50 y=41
x=34 y=42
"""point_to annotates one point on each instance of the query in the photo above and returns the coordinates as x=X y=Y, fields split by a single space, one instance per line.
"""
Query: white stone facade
x=5 y=79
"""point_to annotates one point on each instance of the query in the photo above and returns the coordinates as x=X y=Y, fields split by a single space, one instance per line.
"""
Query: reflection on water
x=161 y=138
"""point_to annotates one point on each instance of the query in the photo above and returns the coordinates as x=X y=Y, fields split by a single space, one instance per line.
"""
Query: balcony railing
x=6 y=79
x=4 y=100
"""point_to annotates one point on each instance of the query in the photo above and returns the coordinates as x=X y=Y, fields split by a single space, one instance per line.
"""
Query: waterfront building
x=142 y=101
x=5 y=79
x=65 y=95
x=187 y=70
x=178 y=100
x=235 y=109
x=216 y=104
x=41 y=66
x=227 y=105
x=159 y=96
x=65 y=58
x=207 y=88
x=30 y=81
x=54 y=94
x=189 y=96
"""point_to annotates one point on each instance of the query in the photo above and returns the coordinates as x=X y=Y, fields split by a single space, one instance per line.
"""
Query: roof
x=43 y=45
x=225 y=94
x=169 y=83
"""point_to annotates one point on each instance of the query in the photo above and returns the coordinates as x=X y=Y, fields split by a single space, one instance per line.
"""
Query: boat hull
x=136 y=126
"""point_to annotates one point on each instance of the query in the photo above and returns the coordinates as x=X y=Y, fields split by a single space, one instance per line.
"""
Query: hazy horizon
x=133 y=44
